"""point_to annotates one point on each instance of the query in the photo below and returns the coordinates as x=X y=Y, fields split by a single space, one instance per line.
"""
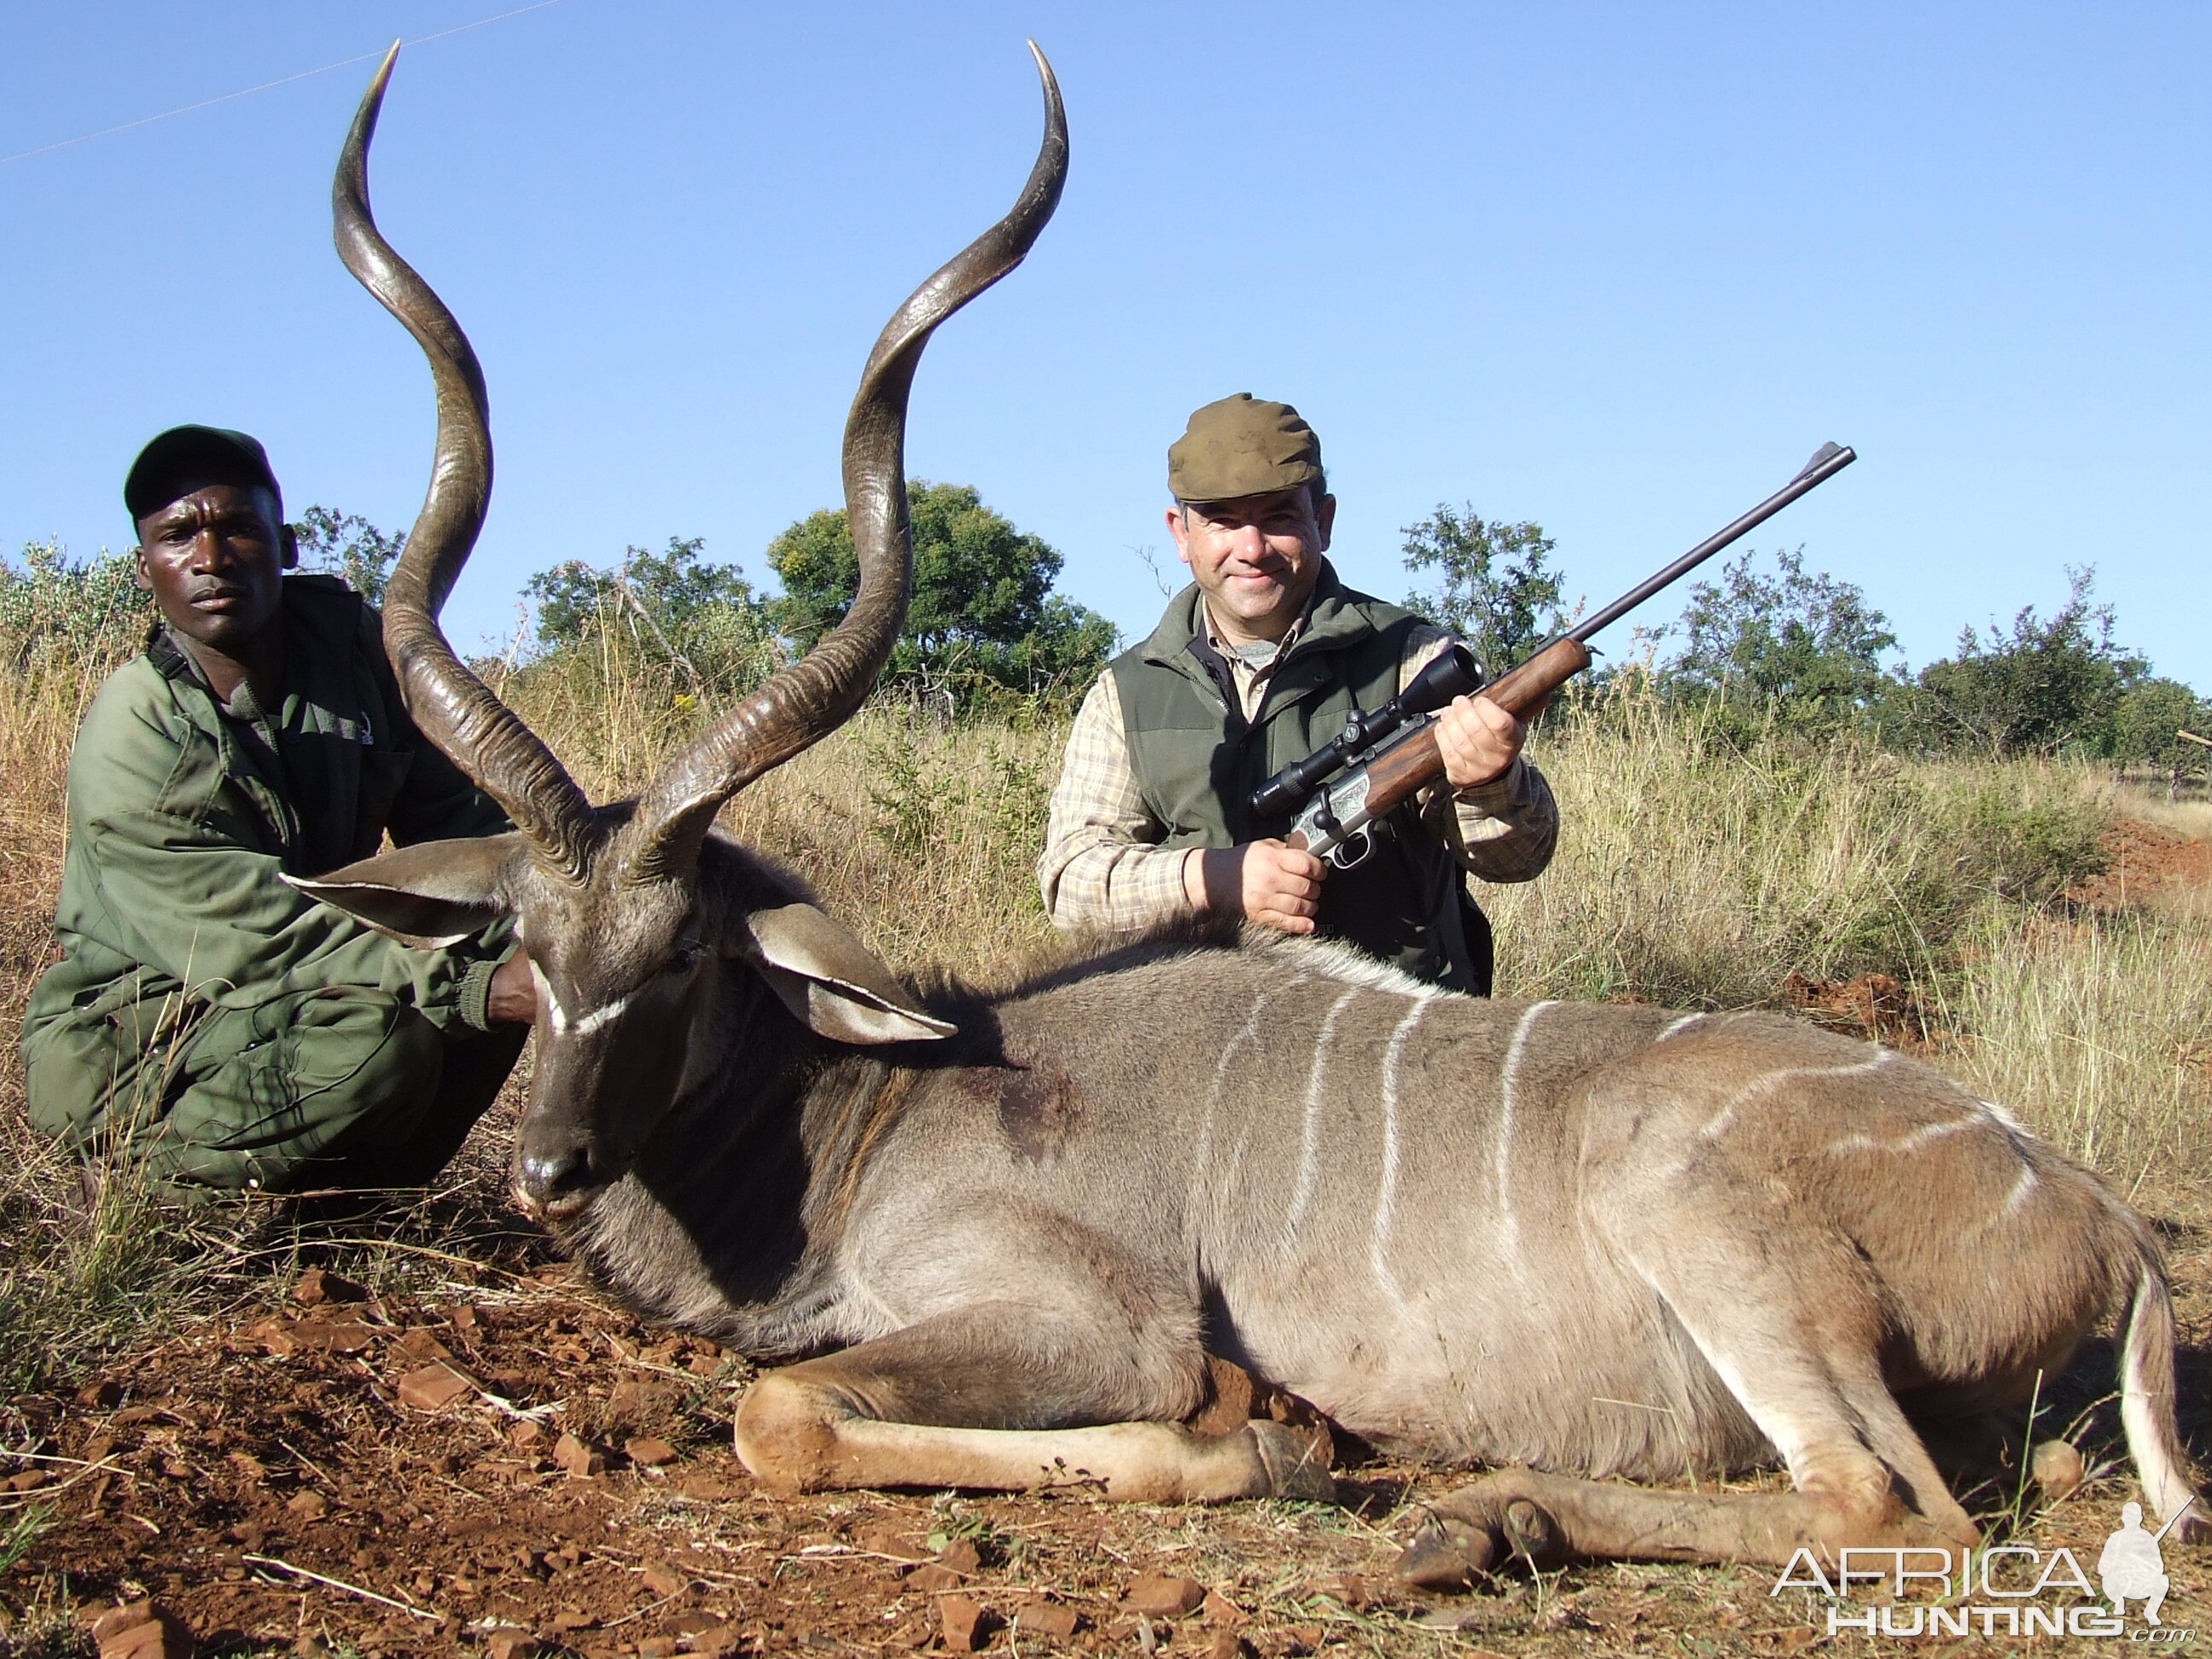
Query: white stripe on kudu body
x=1774 y=1079
x=1912 y=1141
x=1202 y=1157
x=1386 y=1201
x=1310 y=1128
x=1509 y=1225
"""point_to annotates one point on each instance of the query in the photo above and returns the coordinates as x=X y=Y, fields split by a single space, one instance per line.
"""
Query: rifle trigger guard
x=1352 y=850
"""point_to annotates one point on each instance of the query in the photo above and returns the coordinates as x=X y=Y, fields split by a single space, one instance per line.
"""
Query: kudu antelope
x=1579 y=1240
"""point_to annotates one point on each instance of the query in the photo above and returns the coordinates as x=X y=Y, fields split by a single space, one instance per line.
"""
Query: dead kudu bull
x=1576 y=1240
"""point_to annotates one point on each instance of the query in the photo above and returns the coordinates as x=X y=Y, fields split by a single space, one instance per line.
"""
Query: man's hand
x=1479 y=740
x=1262 y=881
x=514 y=997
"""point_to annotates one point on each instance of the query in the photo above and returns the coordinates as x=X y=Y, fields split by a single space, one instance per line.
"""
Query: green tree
x=2148 y=719
x=1496 y=589
x=1800 y=641
x=983 y=610
x=347 y=545
x=702 y=619
x=2047 y=683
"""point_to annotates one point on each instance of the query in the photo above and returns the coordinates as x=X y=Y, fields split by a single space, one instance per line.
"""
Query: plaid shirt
x=1102 y=866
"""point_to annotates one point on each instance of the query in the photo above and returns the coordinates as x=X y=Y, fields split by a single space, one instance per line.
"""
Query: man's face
x=1256 y=559
x=214 y=559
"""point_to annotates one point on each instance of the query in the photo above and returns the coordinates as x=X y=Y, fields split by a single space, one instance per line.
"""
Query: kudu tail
x=2147 y=1397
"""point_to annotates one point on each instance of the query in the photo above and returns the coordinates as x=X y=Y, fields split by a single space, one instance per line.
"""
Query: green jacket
x=1196 y=760
x=184 y=816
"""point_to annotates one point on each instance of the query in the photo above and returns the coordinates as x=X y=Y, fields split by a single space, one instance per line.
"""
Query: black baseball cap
x=207 y=453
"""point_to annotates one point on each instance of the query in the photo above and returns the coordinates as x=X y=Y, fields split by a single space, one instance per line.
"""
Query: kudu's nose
x=556 y=1180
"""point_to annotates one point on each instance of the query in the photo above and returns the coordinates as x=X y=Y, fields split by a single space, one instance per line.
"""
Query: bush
x=59 y=612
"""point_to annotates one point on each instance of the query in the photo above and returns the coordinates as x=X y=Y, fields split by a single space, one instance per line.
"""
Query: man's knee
x=280 y=1093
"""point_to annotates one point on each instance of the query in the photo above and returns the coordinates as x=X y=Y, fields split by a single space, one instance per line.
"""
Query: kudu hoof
x=1294 y=1465
x=1447 y=1554
x=1474 y=1533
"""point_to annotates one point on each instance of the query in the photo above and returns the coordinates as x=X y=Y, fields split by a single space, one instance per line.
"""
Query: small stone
x=1218 y=1609
x=648 y=1453
x=967 y=1624
x=574 y=1618
x=664 y=1580
x=1158 y=1597
x=433 y=1388
x=141 y=1630
x=577 y=1461
x=419 y=1344
x=316 y=1287
x=718 y=1643
x=109 y=1620
x=346 y=1335
x=2057 y=1468
x=103 y=1396
x=928 y=1578
x=309 y=1505
x=1052 y=1619
x=511 y=1645
x=1228 y=1644
x=657 y=1647
x=28 y=1480
x=525 y=1434
x=961 y=1556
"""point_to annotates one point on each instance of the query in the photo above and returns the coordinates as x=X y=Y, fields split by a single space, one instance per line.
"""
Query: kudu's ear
x=834 y=982
x=436 y=892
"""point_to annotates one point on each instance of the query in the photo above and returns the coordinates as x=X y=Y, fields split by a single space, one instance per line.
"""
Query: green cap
x=210 y=453
x=1242 y=446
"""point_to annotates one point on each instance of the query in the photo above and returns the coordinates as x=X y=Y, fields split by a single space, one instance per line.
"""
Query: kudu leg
x=1793 y=1329
x=1550 y=1518
x=992 y=1397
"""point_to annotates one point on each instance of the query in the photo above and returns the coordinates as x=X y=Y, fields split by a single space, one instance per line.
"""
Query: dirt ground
x=2149 y=863
x=484 y=1455
x=507 y=1463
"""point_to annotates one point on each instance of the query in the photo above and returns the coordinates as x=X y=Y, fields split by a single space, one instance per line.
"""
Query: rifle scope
x=1452 y=672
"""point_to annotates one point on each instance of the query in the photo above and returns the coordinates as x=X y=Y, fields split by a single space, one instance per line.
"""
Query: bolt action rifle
x=1336 y=795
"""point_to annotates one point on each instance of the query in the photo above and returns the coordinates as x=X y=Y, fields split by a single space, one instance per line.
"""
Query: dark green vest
x=1197 y=761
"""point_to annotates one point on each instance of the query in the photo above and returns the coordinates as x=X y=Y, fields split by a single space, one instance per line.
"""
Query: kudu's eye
x=685 y=959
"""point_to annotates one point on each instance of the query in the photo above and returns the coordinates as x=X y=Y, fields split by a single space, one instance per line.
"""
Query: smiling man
x=205 y=1020
x=1256 y=665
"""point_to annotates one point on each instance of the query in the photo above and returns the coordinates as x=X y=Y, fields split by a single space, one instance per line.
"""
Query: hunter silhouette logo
x=2131 y=1566
x=2012 y=1589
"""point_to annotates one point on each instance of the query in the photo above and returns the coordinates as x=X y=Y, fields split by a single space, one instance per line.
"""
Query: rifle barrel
x=1831 y=460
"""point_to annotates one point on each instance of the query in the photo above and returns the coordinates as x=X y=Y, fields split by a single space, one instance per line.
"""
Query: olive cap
x=212 y=453
x=1242 y=446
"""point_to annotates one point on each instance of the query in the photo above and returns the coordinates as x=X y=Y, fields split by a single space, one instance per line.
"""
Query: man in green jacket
x=205 y=1019
x=1256 y=665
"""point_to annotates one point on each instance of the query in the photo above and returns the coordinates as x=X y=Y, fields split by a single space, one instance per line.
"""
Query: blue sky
x=1616 y=267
